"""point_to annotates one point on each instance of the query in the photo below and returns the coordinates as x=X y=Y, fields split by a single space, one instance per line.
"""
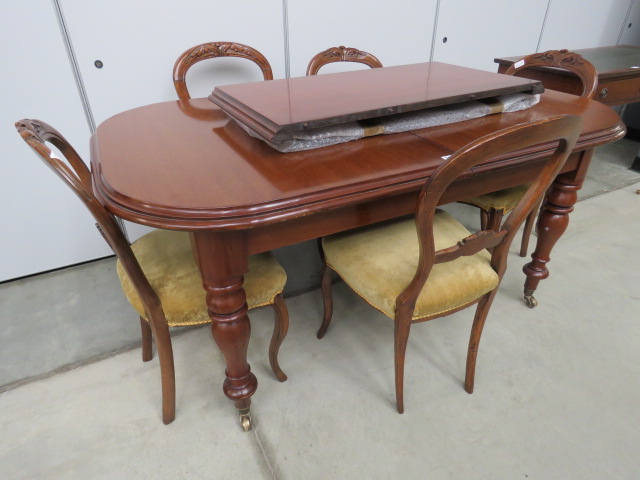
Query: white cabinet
x=472 y=33
x=44 y=226
x=396 y=33
x=631 y=28
x=576 y=24
x=139 y=41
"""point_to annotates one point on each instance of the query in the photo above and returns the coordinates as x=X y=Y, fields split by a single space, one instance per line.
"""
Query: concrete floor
x=557 y=387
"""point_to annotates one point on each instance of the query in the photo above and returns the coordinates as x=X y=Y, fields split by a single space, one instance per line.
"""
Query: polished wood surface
x=341 y=54
x=186 y=166
x=618 y=70
x=277 y=109
x=180 y=195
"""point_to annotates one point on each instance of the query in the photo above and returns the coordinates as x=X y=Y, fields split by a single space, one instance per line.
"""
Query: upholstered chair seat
x=379 y=262
x=167 y=261
x=503 y=200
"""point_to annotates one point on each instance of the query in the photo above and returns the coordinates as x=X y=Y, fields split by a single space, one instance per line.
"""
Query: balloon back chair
x=158 y=274
x=494 y=205
x=430 y=266
x=214 y=50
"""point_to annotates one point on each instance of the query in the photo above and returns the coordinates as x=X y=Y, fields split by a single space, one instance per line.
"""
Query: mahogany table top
x=187 y=166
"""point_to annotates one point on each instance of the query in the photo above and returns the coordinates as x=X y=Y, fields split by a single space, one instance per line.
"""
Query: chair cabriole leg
x=528 y=229
x=401 y=336
x=327 y=299
x=167 y=372
x=147 y=349
x=494 y=220
x=280 y=328
x=482 y=311
x=484 y=219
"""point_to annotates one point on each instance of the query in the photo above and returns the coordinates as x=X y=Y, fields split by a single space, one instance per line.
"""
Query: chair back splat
x=564 y=129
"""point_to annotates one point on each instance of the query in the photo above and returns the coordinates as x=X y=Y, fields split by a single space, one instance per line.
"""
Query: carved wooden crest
x=341 y=54
x=346 y=54
x=215 y=50
x=566 y=60
x=558 y=58
x=220 y=49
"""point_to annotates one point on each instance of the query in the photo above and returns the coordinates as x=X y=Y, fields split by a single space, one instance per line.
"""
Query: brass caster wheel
x=245 y=419
x=530 y=300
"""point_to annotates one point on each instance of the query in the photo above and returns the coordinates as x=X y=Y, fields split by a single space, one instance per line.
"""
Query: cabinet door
x=138 y=42
x=472 y=33
x=398 y=33
x=631 y=28
x=44 y=226
x=575 y=24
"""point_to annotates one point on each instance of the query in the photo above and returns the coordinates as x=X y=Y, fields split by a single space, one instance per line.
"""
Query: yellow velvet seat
x=503 y=200
x=379 y=262
x=167 y=261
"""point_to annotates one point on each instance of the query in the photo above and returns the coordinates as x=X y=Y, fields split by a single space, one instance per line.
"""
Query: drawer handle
x=604 y=92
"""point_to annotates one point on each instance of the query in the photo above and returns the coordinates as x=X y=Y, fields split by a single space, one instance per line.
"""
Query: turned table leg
x=223 y=261
x=552 y=223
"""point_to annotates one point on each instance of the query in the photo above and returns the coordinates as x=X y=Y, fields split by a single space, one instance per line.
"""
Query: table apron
x=318 y=224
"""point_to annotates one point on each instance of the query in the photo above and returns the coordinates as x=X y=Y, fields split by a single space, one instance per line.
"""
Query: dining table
x=186 y=165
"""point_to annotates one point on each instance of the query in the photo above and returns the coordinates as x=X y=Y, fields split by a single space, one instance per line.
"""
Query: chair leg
x=474 y=340
x=484 y=219
x=147 y=349
x=401 y=336
x=167 y=372
x=280 y=328
x=327 y=299
x=494 y=220
x=528 y=228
